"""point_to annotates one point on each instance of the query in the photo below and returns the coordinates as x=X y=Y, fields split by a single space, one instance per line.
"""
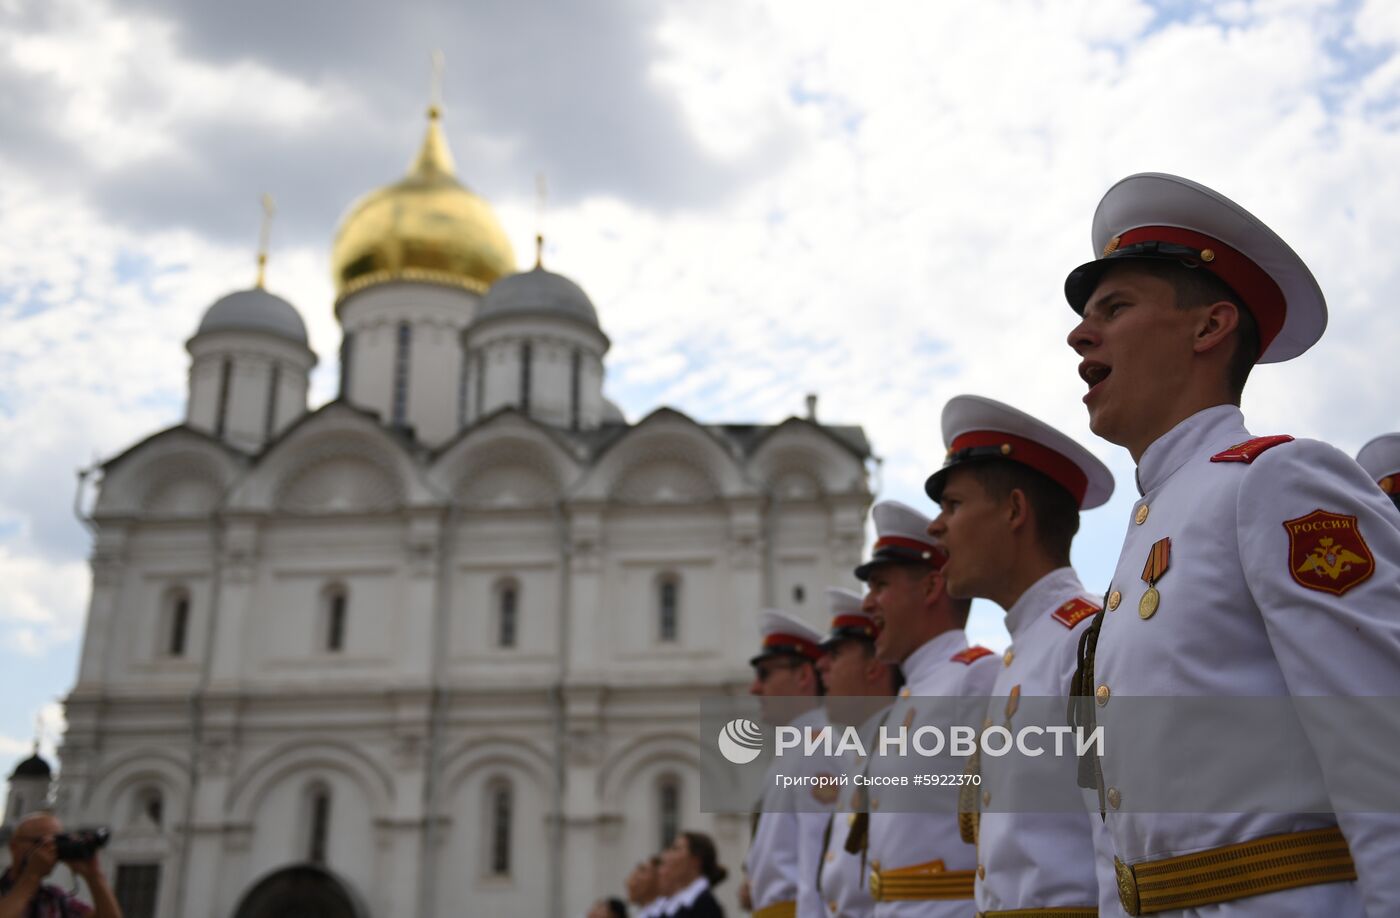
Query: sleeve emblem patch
x=1074 y=612
x=1326 y=552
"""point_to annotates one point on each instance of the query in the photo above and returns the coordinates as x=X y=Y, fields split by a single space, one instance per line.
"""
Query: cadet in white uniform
x=1253 y=566
x=859 y=689
x=1381 y=460
x=789 y=688
x=919 y=865
x=1010 y=493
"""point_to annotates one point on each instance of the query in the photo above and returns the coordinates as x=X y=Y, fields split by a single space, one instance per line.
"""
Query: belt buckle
x=1127 y=888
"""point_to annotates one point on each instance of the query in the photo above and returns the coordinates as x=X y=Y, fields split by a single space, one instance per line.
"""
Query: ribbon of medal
x=1158 y=560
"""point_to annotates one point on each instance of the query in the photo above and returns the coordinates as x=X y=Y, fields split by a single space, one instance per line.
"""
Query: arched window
x=335 y=603
x=668 y=809
x=176 y=619
x=500 y=806
x=149 y=805
x=318 y=821
x=507 y=613
x=668 y=608
x=575 y=387
x=273 y=384
x=225 y=383
x=401 y=357
x=347 y=349
x=527 y=354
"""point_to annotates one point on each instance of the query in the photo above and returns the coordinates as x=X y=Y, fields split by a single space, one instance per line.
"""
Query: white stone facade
x=472 y=657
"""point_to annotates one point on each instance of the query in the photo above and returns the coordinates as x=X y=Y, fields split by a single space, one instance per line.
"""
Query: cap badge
x=1111 y=246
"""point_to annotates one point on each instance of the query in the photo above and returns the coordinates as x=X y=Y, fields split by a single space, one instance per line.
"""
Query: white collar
x=686 y=897
x=1214 y=428
x=1043 y=595
x=919 y=664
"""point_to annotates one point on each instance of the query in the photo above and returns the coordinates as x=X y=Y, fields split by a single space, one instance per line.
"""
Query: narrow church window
x=337 y=601
x=179 y=623
x=668 y=608
x=271 y=416
x=401 y=356
x=668 y=793
x=526 y=358
x=508 y=601
x=501 y=806
x=225 y=383
x=480 y=382
x=462 y=377
x=575 y=388
x=799 y=594
x=320 y=825
x=347 y=347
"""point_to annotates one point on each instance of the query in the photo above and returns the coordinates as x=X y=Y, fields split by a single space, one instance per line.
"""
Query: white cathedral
x=435 y=648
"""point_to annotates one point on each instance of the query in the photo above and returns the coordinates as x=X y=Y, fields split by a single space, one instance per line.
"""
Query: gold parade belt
x=1041 y=913
x=921 y=881
x=777 y=910
x=1251 y=868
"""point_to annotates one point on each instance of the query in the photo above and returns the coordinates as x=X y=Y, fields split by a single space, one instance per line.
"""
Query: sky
x=876 y=204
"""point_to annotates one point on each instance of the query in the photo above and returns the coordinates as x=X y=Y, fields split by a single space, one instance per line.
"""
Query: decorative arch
x=799 y=460
x=338 y=460
x=301 y=890
x=126 y=773
x=625 y=767
x=248 y=789
x=177 y=473
x=506 y=462
x=509 y=755
x=667 y=458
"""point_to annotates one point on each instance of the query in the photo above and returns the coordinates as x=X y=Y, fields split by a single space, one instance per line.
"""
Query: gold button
x=1115 y=799
x=830 y=857
x=904 y=692
x=1007 y=657
x=986 y=798
x=1114 y=599
x=832 y=905
x=1207 y=255
x=981 y=871
x=1101 y=695
x=1141 y=515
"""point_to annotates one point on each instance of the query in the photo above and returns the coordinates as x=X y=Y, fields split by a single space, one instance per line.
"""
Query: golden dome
x=427 y=227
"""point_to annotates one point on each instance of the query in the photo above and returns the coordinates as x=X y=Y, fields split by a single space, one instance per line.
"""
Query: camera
x=81 y=845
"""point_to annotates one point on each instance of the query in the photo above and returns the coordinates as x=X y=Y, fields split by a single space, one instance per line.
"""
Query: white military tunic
x=1040 y=859
x=772 y=861
x=845 y=880
x=907 y=839
x=1235 y=620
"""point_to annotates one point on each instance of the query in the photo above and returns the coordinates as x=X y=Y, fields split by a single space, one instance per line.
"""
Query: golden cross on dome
x=269 y=211
x=435 y=87
x=541 y=198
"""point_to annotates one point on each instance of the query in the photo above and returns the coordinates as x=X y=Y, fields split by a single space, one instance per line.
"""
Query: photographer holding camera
x=34 y=850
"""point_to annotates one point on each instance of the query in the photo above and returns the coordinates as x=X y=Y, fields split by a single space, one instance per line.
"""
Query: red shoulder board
x=971 y=655
x=1250 y=450
x=1075 y=611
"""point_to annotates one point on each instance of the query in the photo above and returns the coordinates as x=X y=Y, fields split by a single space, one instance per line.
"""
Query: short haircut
x=1056 y=510
x=1195 y=287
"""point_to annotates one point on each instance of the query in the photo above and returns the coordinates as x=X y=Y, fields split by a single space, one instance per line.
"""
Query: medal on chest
x=1158 y=560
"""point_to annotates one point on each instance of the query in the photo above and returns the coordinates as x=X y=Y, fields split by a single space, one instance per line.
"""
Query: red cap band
x=853 y=621
x=794 y=642
x=905 y=542
x=1252 y=283
x=1028 y=452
